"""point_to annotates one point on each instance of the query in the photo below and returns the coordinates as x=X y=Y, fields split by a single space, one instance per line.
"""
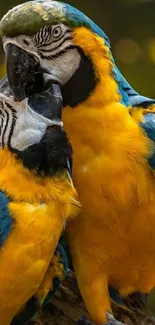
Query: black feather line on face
x=81 y=84
x=50 y=155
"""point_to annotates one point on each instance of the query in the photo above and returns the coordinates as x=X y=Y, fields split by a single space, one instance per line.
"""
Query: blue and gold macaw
x=36 y=199
x=111 y=128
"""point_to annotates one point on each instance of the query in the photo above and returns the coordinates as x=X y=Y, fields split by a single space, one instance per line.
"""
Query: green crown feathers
x=29 y=17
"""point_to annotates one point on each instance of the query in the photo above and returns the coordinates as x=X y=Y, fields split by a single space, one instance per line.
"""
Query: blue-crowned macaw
x=36 y=199
x=112 y=241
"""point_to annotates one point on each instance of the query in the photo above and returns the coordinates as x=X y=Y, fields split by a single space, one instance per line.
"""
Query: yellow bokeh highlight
x=2 y=70
x=128 y=51
x=151 y=50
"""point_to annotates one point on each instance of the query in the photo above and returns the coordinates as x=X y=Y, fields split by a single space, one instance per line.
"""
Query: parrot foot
x=84 y=321
x=112 y=320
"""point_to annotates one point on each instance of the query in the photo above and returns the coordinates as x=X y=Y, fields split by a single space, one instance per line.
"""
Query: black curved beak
x=48 y=103
x=25 y=78
x=21 y=68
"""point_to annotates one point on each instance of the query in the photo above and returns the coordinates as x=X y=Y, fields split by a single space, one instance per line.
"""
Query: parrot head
x=50 y=41
x=33 y=130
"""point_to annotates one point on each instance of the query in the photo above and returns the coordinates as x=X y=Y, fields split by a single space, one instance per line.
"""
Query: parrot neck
x=95 y=76
x=104 y=93
x=21 y=184
x=49 y=156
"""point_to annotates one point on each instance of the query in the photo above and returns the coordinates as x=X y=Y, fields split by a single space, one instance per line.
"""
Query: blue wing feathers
x=148 y=126
x=129 y=95
x=5 y=219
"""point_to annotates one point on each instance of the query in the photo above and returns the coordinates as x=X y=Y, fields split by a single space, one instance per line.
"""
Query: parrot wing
x=131 y=98
x=129 y=95
x=6 y=221
x=148 y=125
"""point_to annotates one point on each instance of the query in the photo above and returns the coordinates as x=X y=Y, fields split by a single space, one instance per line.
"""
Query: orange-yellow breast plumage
x=112 y=241
x=39 y=209
x=116 y=228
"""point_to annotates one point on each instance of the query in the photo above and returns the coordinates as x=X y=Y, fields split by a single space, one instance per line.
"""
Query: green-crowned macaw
x=114 y=157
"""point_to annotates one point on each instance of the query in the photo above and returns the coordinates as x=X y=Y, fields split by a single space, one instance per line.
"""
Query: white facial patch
x=29 y=127
x=54 y=50
x=63 y=67
x=20 y=42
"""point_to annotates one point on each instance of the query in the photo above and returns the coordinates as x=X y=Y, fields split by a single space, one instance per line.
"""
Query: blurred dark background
x=130 y=25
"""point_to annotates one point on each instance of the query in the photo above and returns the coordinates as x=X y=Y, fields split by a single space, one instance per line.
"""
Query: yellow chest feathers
x=24 y=186
x=110 y=152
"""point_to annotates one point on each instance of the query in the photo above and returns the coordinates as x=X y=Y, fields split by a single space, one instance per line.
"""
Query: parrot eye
x=57 y=31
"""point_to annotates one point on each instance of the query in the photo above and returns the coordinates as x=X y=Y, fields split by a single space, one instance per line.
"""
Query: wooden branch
x=67 y=307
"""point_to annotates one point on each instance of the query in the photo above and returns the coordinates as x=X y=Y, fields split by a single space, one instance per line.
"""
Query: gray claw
x=112 y=320
x=84 y=321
